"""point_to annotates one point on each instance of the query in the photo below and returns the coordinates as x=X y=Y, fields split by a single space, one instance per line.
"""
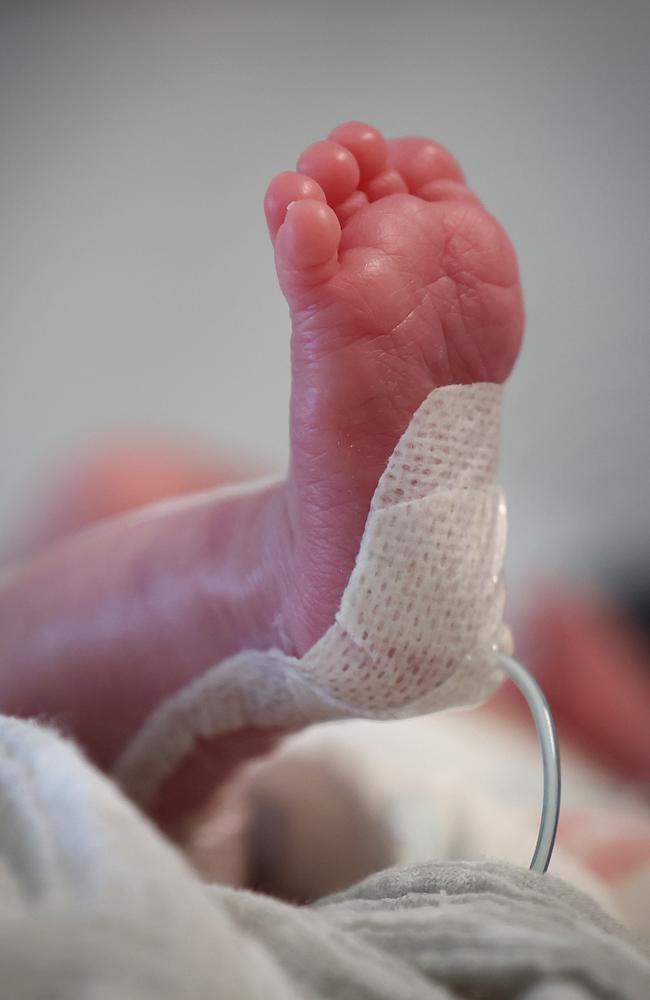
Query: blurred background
x=137 y=290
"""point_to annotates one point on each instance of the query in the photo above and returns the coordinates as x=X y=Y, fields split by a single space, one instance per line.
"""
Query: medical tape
x=420 y=624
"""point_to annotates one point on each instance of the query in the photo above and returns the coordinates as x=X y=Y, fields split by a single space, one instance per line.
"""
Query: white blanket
x=95 y=904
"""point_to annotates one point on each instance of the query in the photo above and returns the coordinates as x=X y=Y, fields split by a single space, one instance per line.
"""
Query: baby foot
x=398 y=281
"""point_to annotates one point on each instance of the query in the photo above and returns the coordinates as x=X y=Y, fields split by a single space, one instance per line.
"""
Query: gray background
x=137 y=285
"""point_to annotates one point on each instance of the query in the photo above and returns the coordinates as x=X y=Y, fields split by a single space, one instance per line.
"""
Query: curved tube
x=545 y=726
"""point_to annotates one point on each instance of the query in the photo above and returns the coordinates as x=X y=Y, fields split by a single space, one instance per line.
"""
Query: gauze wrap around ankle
x=420 y=622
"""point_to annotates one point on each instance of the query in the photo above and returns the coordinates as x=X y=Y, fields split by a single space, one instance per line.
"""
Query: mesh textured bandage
x=420 y=623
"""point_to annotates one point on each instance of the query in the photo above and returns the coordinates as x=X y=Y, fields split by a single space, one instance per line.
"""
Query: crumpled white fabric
x=95 y=905
x=335 y=802
x=420 y=623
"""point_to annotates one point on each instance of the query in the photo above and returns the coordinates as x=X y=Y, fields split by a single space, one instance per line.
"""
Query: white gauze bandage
x=420 y=624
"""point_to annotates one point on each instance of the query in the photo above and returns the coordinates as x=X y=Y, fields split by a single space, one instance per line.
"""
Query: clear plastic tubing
x=545 y=726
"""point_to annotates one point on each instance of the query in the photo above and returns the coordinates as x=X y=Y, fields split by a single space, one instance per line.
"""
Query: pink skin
x=398 y=281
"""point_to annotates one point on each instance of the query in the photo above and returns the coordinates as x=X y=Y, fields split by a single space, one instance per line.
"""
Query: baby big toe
x=284 y=189
x=307 y=240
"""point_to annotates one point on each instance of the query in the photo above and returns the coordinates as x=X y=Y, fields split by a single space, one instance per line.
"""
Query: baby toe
x=367 y=145
x=334 y=168
x=284 y=189
x=308 y=238
x=420 y=161
x=386 y=182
